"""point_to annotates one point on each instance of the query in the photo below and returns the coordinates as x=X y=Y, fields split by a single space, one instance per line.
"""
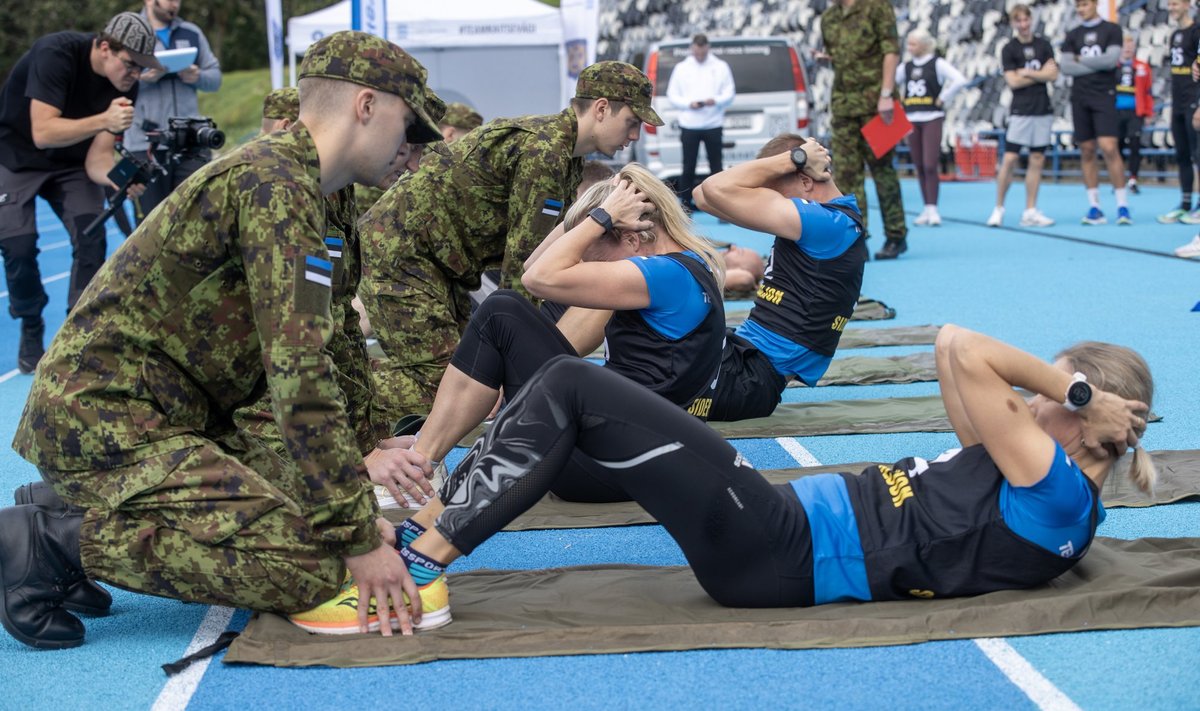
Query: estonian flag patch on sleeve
x=318 y=270
x=552 y=207
x=334 y=245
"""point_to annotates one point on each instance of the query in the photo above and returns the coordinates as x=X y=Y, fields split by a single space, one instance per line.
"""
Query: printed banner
x=581 y=31
x=369 y=16
x=275 y=41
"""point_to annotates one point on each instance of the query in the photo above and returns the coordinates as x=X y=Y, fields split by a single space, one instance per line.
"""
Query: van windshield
x=756 y=66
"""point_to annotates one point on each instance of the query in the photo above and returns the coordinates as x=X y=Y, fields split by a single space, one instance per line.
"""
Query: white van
x=772 y=98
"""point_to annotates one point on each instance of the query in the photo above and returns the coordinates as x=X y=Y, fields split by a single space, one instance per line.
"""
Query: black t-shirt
x=1033 y=100
x=57 y=70
x=1084 y=41
x=1183 y=54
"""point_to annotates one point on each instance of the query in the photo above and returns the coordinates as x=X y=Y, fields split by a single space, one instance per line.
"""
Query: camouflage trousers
x=419 y=318
x=850 y=153
x=222 y=526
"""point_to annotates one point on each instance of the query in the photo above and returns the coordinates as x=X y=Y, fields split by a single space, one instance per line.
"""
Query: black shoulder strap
x=846 y=210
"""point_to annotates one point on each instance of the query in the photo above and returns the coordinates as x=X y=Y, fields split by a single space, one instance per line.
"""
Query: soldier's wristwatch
x=601 y=215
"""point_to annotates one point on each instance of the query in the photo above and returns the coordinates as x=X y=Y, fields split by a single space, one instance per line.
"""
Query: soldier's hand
x=887 y=108
x=626 y=206
x=817 y=165
x=119 y=115
x=135 y=190
x=382 y=576
x=401 y=470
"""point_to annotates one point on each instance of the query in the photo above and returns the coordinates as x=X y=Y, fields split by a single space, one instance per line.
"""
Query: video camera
x=184 y=136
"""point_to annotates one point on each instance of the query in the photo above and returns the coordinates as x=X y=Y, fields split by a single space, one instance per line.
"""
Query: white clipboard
x=175 y=60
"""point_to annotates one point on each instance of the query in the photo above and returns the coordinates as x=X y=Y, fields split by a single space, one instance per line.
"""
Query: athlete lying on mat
x=628 y=247
x=1017 y=507
x=813 y=276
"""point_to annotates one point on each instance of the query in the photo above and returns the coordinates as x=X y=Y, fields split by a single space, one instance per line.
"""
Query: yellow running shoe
x=340 y=614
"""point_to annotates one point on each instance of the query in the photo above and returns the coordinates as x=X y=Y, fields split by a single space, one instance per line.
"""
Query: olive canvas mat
x=865 y=370
x=864 y=310
x=603 y=609
x=1178 y=471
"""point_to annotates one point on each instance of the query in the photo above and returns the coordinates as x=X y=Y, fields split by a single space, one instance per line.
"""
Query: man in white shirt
x=700 y=87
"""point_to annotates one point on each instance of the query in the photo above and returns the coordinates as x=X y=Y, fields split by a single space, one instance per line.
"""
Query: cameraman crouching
x=164 y=96
x=61 y=110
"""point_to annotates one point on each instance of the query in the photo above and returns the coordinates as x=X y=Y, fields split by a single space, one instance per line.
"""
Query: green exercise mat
x=614 y=609
x=865 y=309
x=866 y=370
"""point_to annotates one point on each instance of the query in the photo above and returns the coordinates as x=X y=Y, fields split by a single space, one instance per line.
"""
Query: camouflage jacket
x=490 y=198
x=347 y=346
x=856 y=39
x=225 y=288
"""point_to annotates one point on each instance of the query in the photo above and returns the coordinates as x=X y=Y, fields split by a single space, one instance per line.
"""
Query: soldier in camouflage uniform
x=459 y=120
x=861 y=41
x=389 y=467
x=220 y=294
x=489 y=202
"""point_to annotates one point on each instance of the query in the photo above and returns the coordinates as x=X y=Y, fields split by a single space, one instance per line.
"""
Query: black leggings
x=1186 y=149
x=747 y=541
x=505 y=343
x=1129 y=135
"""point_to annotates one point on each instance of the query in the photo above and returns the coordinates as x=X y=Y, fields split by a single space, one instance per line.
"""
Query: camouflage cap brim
x=647 y=114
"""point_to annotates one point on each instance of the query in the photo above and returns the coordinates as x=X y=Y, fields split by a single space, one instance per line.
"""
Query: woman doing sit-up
x=1015 y=508
x=625 y=250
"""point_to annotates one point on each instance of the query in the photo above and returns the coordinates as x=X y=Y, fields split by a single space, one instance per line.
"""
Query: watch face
x=1079 y=394
x=799 y=157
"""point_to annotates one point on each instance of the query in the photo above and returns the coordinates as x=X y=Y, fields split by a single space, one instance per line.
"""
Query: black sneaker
x=892 y=248
x=30 y=351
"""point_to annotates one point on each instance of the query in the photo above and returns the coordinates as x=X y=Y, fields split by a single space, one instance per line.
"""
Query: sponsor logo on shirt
x=898 y=484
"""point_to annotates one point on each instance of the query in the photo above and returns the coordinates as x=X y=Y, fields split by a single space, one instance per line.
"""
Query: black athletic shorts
x=1094 y=117
x=748 y=385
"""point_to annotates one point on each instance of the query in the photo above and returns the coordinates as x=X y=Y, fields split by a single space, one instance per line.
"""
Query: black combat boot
x=892 y=248
x=30 y=350
x=85 y=596
x=39 y=558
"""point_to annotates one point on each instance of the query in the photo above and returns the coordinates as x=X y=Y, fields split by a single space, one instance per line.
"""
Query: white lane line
x=1029 y=680
x=9 y=375
x=802 y=456
x=47 y=280
x=178 y=691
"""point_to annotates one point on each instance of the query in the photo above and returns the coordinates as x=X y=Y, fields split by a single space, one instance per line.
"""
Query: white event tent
x=504 y=57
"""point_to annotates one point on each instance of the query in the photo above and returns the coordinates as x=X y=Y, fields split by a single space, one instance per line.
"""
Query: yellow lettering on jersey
x=924 y=594
x=771 y=294
x=898 y=485
x=700 y=407
x=839 y=323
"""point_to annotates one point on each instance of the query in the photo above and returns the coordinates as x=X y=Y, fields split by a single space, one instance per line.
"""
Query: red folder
x=883 y=137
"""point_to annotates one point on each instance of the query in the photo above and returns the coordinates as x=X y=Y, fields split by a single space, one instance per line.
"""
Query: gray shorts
x=1030 y=131
x=75 y=198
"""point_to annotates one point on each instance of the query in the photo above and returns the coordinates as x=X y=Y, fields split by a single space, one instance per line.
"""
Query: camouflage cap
x=136 y=36
x=282 y=104
x=374 y=62
x=460 y=115
x=435 y=106
x=618 y=81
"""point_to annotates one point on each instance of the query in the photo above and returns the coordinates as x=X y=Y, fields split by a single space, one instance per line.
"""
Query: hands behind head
x=818 y=165
x=626 y=206
x=1112 y=420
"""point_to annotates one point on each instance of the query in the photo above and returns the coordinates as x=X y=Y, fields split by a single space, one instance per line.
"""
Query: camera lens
x=210 y=137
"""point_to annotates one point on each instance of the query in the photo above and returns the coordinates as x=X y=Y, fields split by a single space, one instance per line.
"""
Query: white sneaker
x=934 y=218
x=1033 y=217
x=923 y=218
x=997 y=217
x=1189 y=250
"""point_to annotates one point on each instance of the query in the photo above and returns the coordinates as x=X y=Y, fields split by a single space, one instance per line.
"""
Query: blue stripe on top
x=839 y=572
x=317 y=263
